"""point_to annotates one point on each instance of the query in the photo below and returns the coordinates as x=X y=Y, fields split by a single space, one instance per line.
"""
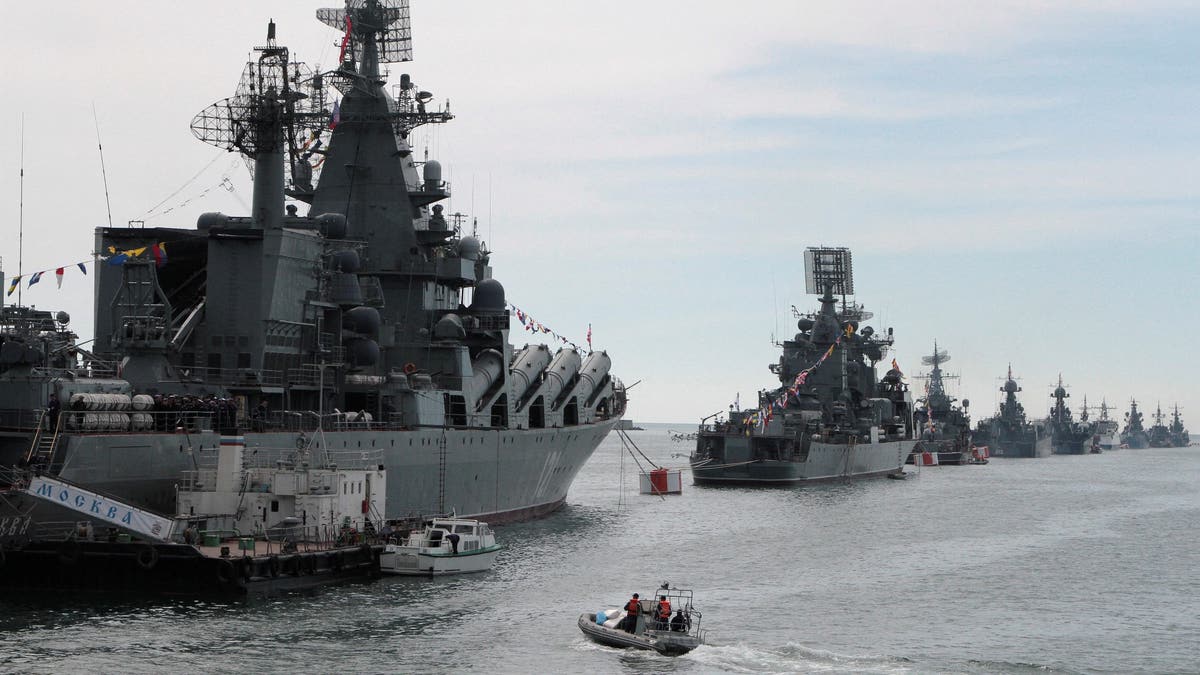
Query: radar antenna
x=832 y=267
x=382 y=25
x=251 y=121
x=938 y=357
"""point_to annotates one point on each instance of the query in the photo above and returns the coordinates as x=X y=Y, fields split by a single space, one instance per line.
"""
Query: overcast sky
x=1017 y=179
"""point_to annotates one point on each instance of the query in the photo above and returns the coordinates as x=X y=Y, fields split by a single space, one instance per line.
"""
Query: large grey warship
x=1009 y=433
x=368 y=332
x=831 y=418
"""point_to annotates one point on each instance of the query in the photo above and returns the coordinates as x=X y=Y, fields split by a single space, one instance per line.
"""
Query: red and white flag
x=58 y=275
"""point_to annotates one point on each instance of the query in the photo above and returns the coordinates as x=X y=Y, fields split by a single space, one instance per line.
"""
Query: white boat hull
x=405 y=560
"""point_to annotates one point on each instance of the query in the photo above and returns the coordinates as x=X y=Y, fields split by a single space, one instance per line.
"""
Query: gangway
x=100 y=507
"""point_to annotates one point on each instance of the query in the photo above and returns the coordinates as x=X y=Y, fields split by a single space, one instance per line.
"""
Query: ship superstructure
x=369 y=330
x=1009 y=433
x=831 y=417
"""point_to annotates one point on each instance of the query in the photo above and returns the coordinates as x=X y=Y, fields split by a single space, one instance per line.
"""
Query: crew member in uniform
x=632 y=608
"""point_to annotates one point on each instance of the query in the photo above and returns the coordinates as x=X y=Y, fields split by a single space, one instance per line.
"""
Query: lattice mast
x=253 y=122
x=936 y=378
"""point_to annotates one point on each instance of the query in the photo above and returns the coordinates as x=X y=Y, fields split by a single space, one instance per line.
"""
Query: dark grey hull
x=1030 y=449
x=825 y=462
x=498 y=475
x=1136 y=441
x=175 y=569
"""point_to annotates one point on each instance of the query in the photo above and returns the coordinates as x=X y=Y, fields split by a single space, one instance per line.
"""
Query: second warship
x=1067 y=436
x=1009 y=433
x=831 y=418
x=943 y=428
x=1160 y=435
x=1134 y=435
x=1178 y=434
x=1107 y=432
x=368 y=332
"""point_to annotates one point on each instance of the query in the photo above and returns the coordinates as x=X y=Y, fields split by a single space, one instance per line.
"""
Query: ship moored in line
x=943 y=428
x=1009 y=433
x=1134 y=435
x=831 y=418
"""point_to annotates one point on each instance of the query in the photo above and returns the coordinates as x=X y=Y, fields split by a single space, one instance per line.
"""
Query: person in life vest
x=663 y=615
x=632 y=608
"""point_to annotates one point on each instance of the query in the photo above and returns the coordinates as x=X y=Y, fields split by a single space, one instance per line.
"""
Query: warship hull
x=1136 y=441
x=1072 y=445
x=942 y=452
x=1032 y=448
x=825 y=462
x=500 y=475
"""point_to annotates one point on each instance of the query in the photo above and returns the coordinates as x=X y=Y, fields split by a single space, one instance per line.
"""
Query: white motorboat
x=442 y=546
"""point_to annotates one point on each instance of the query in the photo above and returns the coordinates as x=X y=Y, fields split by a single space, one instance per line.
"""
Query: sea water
x=1063 y=565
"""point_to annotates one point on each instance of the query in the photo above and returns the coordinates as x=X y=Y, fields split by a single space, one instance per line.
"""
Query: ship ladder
x=849 y=456
x=41 y=450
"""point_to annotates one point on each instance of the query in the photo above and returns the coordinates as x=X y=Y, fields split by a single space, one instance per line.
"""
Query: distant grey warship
x=1178 y=434
x=1107 y=431
x=943 y=428
x=1134 y=434
x=1160 y=435
x=831 y=418
x=1068 y=436
x=1009 y=433
x=368 y=332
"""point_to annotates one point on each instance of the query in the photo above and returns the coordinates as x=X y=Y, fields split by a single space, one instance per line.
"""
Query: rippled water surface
x=1064 y=564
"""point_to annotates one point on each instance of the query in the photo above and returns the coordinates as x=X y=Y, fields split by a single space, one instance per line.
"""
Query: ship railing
x=148 y=421
x=20 y=419
x=97 y=369
x=60 y=530
x=282 y=539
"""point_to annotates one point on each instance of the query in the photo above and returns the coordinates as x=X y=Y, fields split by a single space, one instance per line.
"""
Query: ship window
x=215 y=340
x=230 y=340
x=243 y=341
x=243 y=360
x=214 y=361
x=274 y=506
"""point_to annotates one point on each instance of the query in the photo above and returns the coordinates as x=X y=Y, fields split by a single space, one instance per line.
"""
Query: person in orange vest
x=664 y=613
x=632 y=608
